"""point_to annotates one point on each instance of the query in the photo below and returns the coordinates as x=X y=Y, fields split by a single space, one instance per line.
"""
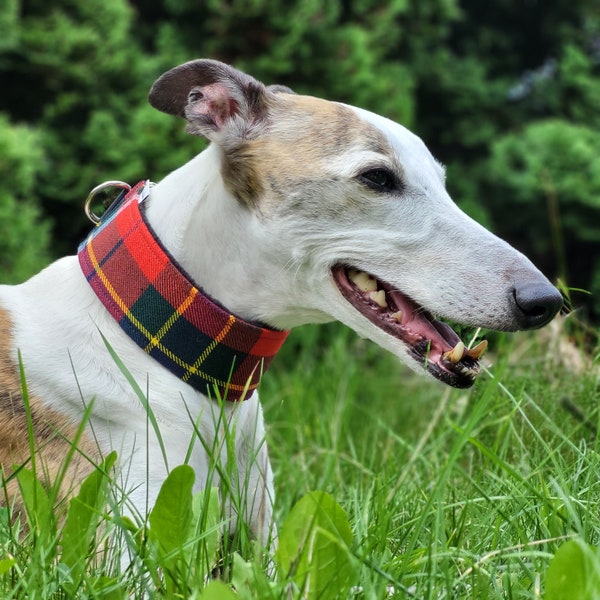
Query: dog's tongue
x=420 y=323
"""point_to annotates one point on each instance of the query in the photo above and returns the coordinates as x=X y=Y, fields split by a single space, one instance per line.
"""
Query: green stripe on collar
x=166 y=314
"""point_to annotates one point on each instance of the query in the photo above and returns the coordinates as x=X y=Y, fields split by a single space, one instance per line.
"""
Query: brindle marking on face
x=51 y=431
x=303 y=135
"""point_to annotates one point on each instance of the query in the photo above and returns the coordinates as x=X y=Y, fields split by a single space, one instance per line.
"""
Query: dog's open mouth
x=432 y=343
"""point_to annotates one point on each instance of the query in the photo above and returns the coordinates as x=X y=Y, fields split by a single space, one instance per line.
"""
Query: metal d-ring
x=87 y=207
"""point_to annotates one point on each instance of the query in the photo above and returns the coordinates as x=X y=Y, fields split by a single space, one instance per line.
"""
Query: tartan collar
x=165 y=312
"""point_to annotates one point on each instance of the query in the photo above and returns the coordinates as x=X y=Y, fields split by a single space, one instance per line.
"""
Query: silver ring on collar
x=87 y=207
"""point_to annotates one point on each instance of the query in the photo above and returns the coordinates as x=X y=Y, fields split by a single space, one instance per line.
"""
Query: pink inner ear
x=215 y=103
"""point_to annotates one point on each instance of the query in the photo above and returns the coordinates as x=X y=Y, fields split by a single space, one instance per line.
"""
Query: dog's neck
x=231 y=250
x=205 y=228
x=160 y=308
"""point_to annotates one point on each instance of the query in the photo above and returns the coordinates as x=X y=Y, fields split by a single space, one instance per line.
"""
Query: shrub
x=543 y=186
x=24 y=237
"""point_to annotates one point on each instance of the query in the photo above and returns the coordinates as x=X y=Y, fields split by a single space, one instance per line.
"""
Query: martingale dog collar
x=168 y=315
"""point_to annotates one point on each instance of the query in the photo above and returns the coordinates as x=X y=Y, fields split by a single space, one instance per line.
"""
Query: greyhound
x=301 y=210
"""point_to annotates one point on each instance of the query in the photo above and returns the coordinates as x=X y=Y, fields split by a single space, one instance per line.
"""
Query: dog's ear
x=212 y=96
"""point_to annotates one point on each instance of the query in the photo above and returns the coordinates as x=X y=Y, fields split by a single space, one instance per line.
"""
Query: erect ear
x=212 y=96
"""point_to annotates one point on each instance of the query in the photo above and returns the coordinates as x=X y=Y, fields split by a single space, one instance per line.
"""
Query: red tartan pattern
x=166 y=314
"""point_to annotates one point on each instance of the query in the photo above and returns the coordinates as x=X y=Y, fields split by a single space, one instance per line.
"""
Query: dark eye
x=380 y=180
x=195 y=95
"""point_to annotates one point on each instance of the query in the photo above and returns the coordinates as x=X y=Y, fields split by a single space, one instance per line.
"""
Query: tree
x=463 y=74
x=23 y=236
x=547 y=179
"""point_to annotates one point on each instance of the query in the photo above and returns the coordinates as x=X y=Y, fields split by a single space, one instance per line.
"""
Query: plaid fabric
x=158 y=306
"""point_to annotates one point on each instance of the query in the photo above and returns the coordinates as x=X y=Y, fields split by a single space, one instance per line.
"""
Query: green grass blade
x=38 y=507
x=82 y=519
x=140 y=394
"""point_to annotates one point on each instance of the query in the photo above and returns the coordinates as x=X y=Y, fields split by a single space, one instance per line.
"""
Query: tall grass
x=447 y=493
x=451 y=493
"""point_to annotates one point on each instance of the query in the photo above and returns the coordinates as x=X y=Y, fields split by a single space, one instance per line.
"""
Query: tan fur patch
x=52 y=434
x=304 y=134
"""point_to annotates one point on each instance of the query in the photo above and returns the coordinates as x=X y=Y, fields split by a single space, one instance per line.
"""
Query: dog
x=300 y=210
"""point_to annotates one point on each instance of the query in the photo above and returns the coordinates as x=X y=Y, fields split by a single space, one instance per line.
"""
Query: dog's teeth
x=455 y=354
x=478 y=351
x=363 y=281
x=397 y=316
x=378 y=297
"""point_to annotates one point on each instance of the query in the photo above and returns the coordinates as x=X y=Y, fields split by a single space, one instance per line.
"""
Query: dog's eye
x=380 y=180
x=195 y=95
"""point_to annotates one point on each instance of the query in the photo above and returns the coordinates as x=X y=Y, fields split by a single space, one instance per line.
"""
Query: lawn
x=414 y=490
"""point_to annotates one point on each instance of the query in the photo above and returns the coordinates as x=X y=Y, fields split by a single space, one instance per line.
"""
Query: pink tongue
x=417 y=322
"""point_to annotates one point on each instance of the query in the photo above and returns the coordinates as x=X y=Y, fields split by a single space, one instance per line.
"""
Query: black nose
x=535 y=304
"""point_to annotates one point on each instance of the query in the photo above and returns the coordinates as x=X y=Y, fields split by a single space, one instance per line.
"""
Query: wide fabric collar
x=166 y=313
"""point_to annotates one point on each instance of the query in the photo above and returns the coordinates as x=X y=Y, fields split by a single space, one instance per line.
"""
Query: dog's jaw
x=432 y=344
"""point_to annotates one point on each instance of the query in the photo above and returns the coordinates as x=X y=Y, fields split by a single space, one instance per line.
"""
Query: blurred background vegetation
x=506 y=93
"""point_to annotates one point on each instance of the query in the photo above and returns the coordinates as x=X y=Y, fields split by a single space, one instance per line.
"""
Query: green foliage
x=23 y=237
x=579 y=86
x=183 y=534
x=547 y=178
x=314 y=547
x=39 y=572
x=85 y=512
x=6 y=564
x=217 y=590
x=9 y=17
x=324 y=49
x=467 y=76
x=78 y=72
x=574 y=573
x=427 y=492
x=449 y=494
x=182 y=546
x=38 y=507
x=251 y=582
x=549 y=159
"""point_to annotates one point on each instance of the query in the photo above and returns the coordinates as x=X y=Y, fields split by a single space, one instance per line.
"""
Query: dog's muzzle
x=429 y=341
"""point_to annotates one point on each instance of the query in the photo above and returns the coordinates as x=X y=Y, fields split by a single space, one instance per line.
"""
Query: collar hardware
x=87 y=207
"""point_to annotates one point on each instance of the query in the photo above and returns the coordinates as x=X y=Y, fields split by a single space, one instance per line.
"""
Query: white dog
x=300 y=211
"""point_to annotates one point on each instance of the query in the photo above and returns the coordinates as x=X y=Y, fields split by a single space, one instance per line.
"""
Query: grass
x=451 y=493
x=447 y=493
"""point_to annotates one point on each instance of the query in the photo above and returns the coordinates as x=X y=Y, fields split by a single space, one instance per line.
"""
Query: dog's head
x=354 y=222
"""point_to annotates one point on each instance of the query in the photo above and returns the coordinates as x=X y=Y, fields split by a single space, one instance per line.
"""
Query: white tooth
x=478 y=351
x=397 y=316
x=364 y=281
x=456 y=353
x=378 y=297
